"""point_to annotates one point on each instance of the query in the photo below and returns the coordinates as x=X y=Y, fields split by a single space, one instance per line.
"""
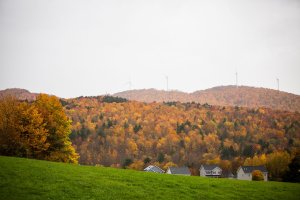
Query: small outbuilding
x=185 y=171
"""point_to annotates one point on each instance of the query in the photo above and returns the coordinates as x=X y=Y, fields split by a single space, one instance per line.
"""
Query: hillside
x=152 y=95
x=223 y=96
x=248 y=97
x=20 y=94
x=33 y=179
x=131 y=134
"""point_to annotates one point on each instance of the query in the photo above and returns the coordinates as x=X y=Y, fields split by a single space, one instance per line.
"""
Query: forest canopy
x=134 y=134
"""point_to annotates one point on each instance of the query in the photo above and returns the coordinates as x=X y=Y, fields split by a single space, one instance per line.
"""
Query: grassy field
x=34 y=179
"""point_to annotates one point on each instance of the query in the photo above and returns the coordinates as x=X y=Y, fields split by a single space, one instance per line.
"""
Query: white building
x=210 y=171
x=245 y=172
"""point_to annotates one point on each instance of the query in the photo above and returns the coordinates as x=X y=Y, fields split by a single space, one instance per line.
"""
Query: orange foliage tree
x=257 y=175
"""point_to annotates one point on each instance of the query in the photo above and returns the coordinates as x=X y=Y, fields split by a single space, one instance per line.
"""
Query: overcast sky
x=81 y=47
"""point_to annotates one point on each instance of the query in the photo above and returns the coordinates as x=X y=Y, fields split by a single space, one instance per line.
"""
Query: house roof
x=180 y=170
x=250 y=169
x=153 y=168
x=227 y=174
x=209 y=167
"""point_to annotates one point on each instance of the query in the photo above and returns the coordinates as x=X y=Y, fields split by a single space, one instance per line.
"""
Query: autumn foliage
x=185 y=134
x=22 y=130
x=257 y=175
x=35 y=130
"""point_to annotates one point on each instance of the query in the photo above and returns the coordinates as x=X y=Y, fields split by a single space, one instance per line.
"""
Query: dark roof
x=227 y=174
x=210 y=167
x=153 y=168
x=180 y=170
x=250 y=169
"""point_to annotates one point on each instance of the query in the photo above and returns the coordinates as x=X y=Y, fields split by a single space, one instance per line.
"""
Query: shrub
x=257 y=175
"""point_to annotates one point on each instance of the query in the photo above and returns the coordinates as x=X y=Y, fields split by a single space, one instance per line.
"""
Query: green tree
x=293 y=173
x=127 y=162
x=161 y=157
x=147 y=160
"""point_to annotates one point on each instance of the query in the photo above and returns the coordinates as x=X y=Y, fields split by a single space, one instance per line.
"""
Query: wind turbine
x=236 y=78
x=167 y=79
x=129 y=83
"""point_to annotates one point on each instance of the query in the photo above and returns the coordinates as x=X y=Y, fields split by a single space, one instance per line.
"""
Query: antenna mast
x=277 y=79
x=167 y=79
x=236 y=79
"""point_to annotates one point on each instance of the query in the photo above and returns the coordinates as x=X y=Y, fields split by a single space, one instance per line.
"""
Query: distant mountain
x=223 y=95
x=21 y=94
x=151 y=95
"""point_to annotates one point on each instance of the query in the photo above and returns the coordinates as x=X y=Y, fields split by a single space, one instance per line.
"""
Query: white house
x=245 y=172
x=210 y=171
x=179 y=171
x=153 y=168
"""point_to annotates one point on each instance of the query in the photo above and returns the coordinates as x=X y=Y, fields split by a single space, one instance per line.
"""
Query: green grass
x=34 y=179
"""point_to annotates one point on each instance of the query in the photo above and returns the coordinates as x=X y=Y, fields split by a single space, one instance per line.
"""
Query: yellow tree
x=256 y=160
x=9 y=144
x=277 y=164
x=58 y=126
x=136 y=165
x=22 y=130
x=32 y=131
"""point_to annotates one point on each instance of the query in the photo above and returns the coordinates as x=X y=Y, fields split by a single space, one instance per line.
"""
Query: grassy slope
x=34 y=179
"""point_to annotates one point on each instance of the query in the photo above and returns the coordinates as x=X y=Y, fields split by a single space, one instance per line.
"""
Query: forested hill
x=20 y=94
x=242 y=96
x=121 y=134
x=223 y=96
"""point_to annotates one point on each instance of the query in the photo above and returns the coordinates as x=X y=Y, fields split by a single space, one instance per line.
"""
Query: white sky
x=83 y=47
